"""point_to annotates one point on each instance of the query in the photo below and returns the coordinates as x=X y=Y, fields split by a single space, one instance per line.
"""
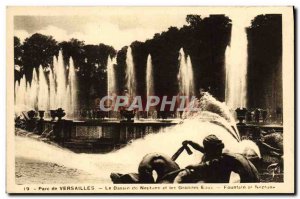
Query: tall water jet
x=17 y=87
x=111 y=77
x=33 y=90
x=130 y=73
x=43 y=99
x=60 y=80
x=186 y=75
x=236 y=64
x=149 y=77
x=67 y=103
x=72 y=86
x=57 y=90
x=26 y=93
x=27 y=96
x=52 y=92
x=190 y=77
x=149 y=80
x=20 y=96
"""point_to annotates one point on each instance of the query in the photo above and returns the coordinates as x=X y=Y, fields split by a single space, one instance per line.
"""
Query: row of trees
x=204 y=40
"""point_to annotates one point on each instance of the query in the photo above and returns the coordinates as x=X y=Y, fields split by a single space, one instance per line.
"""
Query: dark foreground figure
x=215 y=166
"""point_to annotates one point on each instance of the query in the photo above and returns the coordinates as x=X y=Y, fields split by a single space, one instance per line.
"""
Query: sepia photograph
x=150 y=100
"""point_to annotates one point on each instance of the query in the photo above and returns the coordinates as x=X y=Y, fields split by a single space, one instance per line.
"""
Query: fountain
x=149 y=79
x=48 y=90
x=60 y=73
x=236 y=65
x=26 y=94
x=111 y=84
x=126 y=159
x=52 y=92
x=32 y=90
x=130 y=73
x=186 y=75
x=72 y=89
x=42 y=90
x=111 y=77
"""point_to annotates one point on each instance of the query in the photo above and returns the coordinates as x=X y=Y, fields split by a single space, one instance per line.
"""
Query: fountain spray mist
x=149 y=77
x=236 y=56
x=60 y=80
x=43 y=91
x=60 y=91
x=149 y=80
x=72 y=89
x=130 y=73
x=33 y=90
x=111 y=77
x=186 y=75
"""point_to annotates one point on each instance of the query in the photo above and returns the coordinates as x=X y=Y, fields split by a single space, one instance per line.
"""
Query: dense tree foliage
x=204 y=40
x=93 y=80
x=18 y=54
x=38 y=50
x=74 y=49
x=206 y=44
x=265 y=62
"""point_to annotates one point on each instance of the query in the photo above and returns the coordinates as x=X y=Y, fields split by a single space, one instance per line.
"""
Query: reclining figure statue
x=215 y=166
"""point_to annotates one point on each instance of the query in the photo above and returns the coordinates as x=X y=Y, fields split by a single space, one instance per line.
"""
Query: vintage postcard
x=185 y=100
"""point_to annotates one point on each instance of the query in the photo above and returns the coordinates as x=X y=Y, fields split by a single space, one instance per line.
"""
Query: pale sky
x=114 y=30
